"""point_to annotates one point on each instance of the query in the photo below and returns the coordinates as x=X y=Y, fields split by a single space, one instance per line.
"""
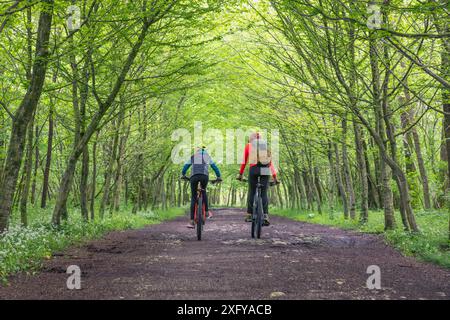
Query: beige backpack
x=260 y=153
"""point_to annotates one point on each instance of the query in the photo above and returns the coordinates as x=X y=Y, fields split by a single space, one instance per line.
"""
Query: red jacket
x=246 y=155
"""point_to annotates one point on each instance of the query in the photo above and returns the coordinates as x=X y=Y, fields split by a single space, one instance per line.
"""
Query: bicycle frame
x=257 y=215
x=200 y=208
x=199 y=197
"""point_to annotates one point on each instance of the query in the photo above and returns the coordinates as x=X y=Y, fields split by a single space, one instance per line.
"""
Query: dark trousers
x=203 y=179
x=254 y=173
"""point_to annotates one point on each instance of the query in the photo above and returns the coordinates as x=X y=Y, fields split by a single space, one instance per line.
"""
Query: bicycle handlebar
x=215 y=181
x=271 y=183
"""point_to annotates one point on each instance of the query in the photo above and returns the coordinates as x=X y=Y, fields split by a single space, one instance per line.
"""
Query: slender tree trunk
x=318 y=184
x=299 y=187
x=119 y=170
x=346 y=170
x=94 y=175
x=85 y=156
x=422 y=170
x=29 y=153
x=316 y=193
x=109 y=173
x=339 y=182
x=84 y=184
x=27 y=175
x=286 y=198
x=48 y=160
x=306 y=185
x=407 y=150
x=2 y=140
x=377 y=179
x=388 y=198
x=388 y=205
x=333 y=180
x=362 y=169
x=446 y=107
x=36 y=165
x=180 y=194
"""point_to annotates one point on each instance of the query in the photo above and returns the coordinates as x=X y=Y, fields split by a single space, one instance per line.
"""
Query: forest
x=92 y=91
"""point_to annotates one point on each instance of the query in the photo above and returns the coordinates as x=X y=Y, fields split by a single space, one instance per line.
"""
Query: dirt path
x=301 y=260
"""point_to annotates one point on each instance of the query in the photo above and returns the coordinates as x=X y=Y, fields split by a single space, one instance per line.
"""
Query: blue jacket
x=200 y=162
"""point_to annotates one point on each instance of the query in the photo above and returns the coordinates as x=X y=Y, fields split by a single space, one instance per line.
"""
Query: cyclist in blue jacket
x=200 y=162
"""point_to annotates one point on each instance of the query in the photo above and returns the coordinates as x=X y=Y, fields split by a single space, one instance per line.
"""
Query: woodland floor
x=165 y=261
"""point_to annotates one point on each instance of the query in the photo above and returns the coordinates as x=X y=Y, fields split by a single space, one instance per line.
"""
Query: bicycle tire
x=259 y=218
x=253 y=231
x=199 y=219
x=254 y=217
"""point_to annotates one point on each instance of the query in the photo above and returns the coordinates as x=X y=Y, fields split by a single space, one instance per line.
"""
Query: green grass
x=25 y=248
x=431 y=244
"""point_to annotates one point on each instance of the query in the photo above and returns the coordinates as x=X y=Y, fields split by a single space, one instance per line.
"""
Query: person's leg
x=204 y=181
x=252 y=180
x=265 y=200
x=264 y=180
x=194 y=182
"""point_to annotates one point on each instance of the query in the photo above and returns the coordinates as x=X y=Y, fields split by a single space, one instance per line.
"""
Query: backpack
x=260 y=153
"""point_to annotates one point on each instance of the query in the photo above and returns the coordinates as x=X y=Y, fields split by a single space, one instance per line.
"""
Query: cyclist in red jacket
x=256 y=152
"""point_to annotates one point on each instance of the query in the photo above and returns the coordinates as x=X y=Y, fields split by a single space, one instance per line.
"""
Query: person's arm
x=246 y=154
x=273 y=171
x=215 y=168
x=186 y=167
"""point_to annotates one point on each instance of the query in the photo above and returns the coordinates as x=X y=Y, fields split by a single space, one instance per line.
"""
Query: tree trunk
x=339 y=182
x=94 y=175
x=346 y=170
x=333 y=180
x=119 y=170
x=422 y=170
x=84 y=184
x=85 y=157
x=24 y=114
x=317 y=196
x=48 y=160
x=180 y=194
x=36 y=165
x=27 y=175
x=318 y=188
x=376 y=179
x=110 y=172
x=388 y=205
x=306 y=185
x=407 y=150
x=362 y=169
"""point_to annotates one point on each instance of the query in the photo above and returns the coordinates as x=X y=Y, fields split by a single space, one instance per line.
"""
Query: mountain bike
x=258 y=215
x=200 y=207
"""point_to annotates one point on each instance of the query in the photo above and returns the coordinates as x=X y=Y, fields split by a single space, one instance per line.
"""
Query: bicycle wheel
x=199 y=219
x=259 y=218
x=254 y=218
x=253 y=228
